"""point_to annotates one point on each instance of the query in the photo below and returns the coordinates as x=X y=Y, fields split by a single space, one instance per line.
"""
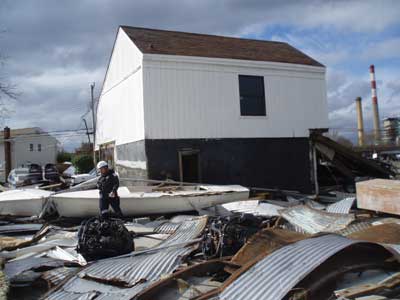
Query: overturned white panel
x=23 y=202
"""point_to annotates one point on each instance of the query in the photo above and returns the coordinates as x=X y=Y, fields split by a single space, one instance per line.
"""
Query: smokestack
x=360 y=122
x=375 y=111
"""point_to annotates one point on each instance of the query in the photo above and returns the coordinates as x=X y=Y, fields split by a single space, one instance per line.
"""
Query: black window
x=39 y=147
x=31 y=147
x=252 y=95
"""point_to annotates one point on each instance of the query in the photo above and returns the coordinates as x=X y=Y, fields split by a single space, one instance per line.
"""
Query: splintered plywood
x=381 y=195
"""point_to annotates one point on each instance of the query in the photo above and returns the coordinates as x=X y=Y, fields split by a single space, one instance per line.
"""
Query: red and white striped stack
x=375 y=110
x=373 y=84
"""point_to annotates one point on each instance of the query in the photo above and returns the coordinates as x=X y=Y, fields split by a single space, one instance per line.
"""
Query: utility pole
x=93 y=122
x=87 y=131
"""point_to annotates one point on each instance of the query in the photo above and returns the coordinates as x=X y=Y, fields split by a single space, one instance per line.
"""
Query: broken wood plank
x=382 y=195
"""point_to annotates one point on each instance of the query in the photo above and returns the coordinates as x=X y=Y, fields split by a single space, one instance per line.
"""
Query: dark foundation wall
x=253 y=162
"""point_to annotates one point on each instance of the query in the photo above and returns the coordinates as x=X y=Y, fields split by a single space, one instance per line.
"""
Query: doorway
x=107 y=153
x=189 y=166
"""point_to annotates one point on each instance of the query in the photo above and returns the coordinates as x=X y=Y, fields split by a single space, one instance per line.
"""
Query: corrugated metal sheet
x=167 y=228
x=61 y=295
x=342 y=206
x=55 y=276
x=314 y=221
x=105 y=291
x=352 y=228
x=254 y=207
x=274 y=276
x=123 y=278
x=132 y=270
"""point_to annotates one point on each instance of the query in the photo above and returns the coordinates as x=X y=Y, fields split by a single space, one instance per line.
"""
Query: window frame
x=243 y=114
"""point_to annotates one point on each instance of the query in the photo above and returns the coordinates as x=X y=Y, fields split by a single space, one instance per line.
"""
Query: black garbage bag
x=104 y=237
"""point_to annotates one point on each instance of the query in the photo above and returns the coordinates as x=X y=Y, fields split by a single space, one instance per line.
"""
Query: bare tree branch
x=8 y=90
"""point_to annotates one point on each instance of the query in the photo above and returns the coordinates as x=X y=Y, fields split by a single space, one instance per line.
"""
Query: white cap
x=102 y=164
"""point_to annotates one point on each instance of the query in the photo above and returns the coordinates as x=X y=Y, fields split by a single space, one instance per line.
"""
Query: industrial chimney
x=375 y=111
x=360 y=122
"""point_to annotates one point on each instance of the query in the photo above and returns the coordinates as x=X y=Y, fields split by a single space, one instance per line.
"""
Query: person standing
x=108 y=184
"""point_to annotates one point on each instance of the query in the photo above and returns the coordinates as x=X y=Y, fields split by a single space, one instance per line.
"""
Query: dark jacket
x=108 y=183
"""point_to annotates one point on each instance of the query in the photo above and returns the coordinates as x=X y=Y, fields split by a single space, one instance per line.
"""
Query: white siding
x=120 y=109
x=21 y=154
x=199 y=98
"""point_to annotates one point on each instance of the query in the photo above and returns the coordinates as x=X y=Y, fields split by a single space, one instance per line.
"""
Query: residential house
x=28 y=145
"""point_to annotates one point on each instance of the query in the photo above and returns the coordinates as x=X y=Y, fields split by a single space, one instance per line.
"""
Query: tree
x=83 y=162
x=63 y=156
x=8 y=92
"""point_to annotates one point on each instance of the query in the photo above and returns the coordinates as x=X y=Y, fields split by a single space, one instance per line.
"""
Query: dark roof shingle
x=154 y=41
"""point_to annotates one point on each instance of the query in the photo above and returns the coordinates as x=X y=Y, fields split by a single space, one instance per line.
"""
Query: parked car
x=17 y=177
x=51 y=173
x=76 y=179
x=33 y=174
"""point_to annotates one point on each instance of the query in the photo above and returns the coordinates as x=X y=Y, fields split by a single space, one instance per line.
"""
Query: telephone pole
x=93 y=121
x=87 y=131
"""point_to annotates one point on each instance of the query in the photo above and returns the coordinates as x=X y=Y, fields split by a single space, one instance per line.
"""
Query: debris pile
x=289 y=247
x=100 y=238
x=226 y=235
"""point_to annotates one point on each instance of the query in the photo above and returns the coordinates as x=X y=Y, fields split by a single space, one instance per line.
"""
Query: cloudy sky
x=55 y=49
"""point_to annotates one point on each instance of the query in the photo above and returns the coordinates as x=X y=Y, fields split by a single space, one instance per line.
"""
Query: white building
x=215 y=109
x=28 y=145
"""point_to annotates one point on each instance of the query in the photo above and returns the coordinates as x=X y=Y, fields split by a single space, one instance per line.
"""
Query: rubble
x=288 y=247
x=310 y=220
x=100 y=238
x=280 y=272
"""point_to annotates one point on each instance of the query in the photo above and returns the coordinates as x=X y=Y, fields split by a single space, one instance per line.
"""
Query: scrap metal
x=255 y=207
x=122 y=278
x=390 y=282
x=342 y=206
x=274 y=276
x=314 y=221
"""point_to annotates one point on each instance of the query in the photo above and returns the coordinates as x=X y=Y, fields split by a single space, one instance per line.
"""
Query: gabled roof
x=155 y=41
x=26 y=132
x=23 y=131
